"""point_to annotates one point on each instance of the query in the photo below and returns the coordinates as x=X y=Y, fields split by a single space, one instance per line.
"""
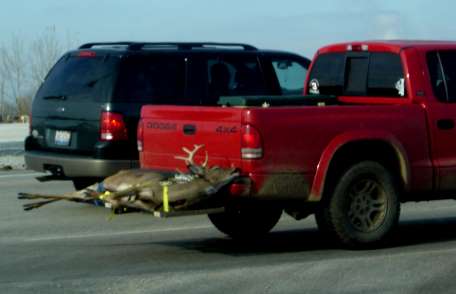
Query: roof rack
x=105 y=44
x=160 y=45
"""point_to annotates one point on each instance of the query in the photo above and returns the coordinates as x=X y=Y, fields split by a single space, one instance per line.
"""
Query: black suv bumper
x=73 y=166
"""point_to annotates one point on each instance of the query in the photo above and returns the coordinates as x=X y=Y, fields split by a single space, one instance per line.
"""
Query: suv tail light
x=139 y=136
x=112 y=127
x=87 y=54
x=251 y=143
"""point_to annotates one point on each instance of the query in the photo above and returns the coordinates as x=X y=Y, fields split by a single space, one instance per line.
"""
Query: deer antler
x=189 y=159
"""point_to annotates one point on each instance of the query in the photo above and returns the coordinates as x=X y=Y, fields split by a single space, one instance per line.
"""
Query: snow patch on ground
x=12 y=138
x=14 y=132
x=12 y=162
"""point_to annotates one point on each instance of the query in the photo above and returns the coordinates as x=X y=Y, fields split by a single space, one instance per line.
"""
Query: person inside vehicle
x=219 y=82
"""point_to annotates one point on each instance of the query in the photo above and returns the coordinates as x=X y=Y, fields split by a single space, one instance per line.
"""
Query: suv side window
x=243 y=76
x=232 y=75
x=442 y=69
x=290 y=75
x=151 y=79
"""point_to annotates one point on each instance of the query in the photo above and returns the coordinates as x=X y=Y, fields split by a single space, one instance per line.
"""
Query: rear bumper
x=73 y=166
x=286 y=186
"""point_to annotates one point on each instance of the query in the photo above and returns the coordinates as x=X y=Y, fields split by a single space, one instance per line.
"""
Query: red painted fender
x=327 y=156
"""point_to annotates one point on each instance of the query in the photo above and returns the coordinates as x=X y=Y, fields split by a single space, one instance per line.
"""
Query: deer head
x=199 y=170
x=213 y=174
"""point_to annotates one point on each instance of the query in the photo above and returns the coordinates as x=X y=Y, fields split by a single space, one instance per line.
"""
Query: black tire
x=363 y=208
x=81 y=183
x=246 y=221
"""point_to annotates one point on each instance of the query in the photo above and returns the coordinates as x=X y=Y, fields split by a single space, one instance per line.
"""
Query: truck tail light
x=251 y=143
x=112 y=127
x=139 y=136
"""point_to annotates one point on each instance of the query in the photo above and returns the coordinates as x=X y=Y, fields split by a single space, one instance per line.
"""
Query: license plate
x=62 y=138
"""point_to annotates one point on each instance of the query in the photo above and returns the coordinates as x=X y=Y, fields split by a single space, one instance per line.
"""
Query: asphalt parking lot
x=73 y=248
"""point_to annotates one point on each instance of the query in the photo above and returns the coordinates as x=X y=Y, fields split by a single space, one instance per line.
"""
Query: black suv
x=84 y=116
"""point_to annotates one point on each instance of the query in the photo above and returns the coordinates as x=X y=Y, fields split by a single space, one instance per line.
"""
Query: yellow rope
x=165 y=196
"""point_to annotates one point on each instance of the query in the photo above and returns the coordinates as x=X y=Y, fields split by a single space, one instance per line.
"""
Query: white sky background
x=300 y=26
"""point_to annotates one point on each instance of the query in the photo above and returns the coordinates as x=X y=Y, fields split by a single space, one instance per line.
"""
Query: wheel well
x=374 y=150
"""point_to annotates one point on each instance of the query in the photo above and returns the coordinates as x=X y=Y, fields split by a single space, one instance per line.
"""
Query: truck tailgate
x=168 y=129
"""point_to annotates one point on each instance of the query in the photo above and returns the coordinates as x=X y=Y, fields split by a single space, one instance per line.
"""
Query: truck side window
x=291 y=76
x=328 y=74
x=436 y=75
x=386 y=76
x=152 y=79
x=442 y=69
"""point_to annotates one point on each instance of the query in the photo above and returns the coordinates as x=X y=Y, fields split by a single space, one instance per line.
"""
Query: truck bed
x=293 y=139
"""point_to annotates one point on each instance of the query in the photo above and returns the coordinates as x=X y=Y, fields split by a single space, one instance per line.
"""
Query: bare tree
x=9 y=111
x=24 y=66
x=14 y=67
x=24 y=105
x=47 y=48
x=2 y=98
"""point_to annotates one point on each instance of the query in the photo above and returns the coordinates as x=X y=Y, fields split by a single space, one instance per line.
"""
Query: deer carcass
x=144 y=189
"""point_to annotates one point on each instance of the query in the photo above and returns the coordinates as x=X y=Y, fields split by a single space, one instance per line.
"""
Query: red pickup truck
x=375 y=127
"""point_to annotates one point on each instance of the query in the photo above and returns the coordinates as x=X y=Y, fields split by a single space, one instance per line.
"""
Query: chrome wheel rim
x=367 y=208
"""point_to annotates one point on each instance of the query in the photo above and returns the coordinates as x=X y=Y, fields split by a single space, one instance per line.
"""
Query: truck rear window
x=328 y=74
x=377 y=74
x=77 y=77
x=385 y=77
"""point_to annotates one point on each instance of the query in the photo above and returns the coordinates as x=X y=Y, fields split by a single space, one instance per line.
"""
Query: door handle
x=189 y=129
x=445 y=124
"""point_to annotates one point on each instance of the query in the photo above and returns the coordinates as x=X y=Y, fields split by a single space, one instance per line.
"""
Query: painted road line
x=111 y=234
x=20 y=175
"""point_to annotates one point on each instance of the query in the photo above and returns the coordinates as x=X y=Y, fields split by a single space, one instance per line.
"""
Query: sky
x=300 y=26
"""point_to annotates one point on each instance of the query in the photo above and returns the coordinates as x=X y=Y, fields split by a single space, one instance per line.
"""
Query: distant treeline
x=23 y=67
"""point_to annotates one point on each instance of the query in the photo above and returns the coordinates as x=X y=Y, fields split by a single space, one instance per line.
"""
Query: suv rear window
x=377 y=74
x=151 y=79
x=75 y=77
